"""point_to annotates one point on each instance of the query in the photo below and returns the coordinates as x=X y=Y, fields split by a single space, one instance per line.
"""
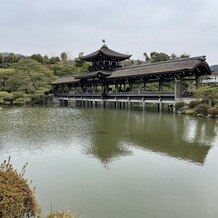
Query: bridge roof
x=66 y=80
x=98 y=73
x=196 y=64
x=165 y=67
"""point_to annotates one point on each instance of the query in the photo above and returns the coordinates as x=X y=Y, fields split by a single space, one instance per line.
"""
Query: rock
x=209 y=116
x=182 y=110
x=200 y=115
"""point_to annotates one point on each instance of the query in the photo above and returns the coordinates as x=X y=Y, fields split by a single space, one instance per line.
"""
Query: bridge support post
x=143 y=104
x=124 y=105
x=198 y=84
x=160 y=106
x=178 y=88
x=102 y=103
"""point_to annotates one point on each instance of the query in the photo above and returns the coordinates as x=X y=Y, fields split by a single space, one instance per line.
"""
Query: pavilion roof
x=172 y=66
x=93 y=74
x=106 y=52
x=66 y=80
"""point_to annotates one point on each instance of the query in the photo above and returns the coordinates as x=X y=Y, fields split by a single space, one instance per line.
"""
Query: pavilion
x=107 y=81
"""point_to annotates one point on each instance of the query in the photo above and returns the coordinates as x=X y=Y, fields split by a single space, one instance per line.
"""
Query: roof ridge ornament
x=104 y=45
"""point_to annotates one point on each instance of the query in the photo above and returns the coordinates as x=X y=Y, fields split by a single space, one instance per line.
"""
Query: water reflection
x=180 y=137
x=106 y=134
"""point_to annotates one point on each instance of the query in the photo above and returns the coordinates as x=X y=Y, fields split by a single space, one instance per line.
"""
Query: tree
x=11 y=58
x=156 y=57
x=46 y=60
x=173 y=56
x=37 y=57
x=184 y=55
x=64 y=57
x=30 y=80
x=207 y=93
x=63 y=69
x=54 y=60
x=1 y=60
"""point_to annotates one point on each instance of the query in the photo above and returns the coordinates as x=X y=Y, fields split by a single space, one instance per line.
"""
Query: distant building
x=211 y=80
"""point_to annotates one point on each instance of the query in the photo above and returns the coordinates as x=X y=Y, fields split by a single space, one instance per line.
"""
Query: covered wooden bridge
x=107 y=81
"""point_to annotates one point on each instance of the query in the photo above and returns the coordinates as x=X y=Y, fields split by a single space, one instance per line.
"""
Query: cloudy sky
x=129 y=26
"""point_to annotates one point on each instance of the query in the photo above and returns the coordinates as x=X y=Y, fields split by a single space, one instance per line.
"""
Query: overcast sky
x=129 y=26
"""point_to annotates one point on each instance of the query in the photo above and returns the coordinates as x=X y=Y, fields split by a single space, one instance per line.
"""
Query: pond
x=105 y=163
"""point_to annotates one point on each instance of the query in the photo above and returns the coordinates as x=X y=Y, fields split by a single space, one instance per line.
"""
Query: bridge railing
x=117 y=94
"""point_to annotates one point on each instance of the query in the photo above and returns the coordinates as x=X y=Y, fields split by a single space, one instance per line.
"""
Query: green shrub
x=21 y=101
x=201 y=109
x=193 y=103
x=1 y=100
x=6 y=97
x=16 y=197
x=190 y=112
x=179 y=104
x=213 y=111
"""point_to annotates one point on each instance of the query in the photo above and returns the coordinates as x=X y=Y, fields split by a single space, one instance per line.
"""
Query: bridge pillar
x=160 y=86
x=116 y=103
x=102 y=103
x=124 y=105
x=198 y=84
x=160 y=106
x=143 y=104
x=178 y=88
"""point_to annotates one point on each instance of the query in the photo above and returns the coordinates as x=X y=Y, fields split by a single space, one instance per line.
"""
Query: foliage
x=201 y=109
x=158 y=57
x=37 y=57
x=207 y=93
x=16 y=197
x=1 y=59
x=213 y=111
x=32 y=76
x=22 y=101
x=193 y=103
x=6 y=97
x=64 y=57
x=190 y=112
x=54 y=60
x=179 y=104
x=46 y=60
x=63 y=69
x=62 y=214
x=26 y=83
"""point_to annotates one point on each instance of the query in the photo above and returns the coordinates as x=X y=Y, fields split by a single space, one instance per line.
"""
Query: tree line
x=26 y=79
x=61 y=65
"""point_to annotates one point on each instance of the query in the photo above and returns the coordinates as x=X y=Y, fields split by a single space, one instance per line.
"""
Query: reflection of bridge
x=165 y=136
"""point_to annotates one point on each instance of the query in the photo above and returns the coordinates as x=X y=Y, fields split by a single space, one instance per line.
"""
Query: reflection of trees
x=103 y=133
x=106 y=137
x=165 y=134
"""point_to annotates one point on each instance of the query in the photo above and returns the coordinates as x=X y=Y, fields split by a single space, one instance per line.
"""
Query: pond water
x=105 y=163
